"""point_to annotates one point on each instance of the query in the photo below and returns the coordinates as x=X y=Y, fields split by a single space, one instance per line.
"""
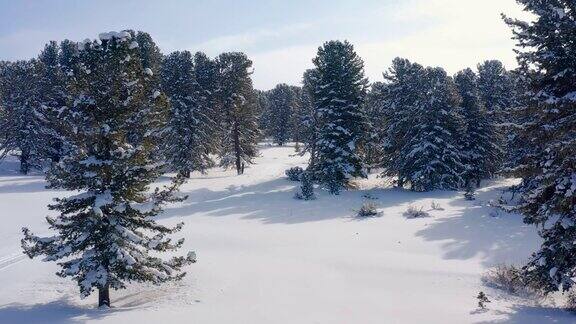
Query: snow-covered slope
x=264 y=257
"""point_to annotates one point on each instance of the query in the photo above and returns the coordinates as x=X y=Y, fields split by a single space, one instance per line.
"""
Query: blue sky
x=281 y=37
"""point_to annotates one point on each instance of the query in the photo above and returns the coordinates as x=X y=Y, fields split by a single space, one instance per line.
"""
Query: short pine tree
x=482 y=300
x=105 y=234
x=306 y=187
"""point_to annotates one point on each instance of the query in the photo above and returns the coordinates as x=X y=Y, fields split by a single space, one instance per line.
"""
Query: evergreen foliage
x=482 y=144
x=105 y=234
x=339 y=94
x=547 y=61
x=282 y=105
x=24 y=125
x=306 y=187
x=239 y=117
x=189 y=139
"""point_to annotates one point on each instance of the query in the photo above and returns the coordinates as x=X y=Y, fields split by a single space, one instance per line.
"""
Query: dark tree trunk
x=104 y=296
x=478 y=181
x=24 y=165
x=237 y=149
x=185 y=173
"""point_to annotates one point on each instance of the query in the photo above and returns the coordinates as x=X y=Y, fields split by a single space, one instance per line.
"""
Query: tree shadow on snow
x=521 y=314
x=59 y=311
x=273 y=202
x=480 y=230
x=23 y=184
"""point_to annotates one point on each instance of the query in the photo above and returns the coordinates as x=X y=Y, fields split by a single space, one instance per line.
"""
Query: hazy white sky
x=281 y=37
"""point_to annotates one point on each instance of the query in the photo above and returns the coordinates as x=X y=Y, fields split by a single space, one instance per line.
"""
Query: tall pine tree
x=105 y=234
x=339 y=95
x=189 y=139
x=548 y=61
x=240 y=119
x=282 y=105
x=23 y=128
x=482 y=143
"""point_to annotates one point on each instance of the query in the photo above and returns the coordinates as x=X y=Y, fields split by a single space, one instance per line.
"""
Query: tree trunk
x=185 y=173
x=24 y=166
x=104 y=296
x=237 y=149
x=478 y=181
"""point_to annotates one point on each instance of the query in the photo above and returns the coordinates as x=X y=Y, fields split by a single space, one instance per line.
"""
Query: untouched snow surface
x=264 y=257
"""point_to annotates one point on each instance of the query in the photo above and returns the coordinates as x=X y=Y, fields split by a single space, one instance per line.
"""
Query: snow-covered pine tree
x=481 y=143
x=376 y=111
x=432 y=157
x=53 y=93
x=105 y=234
x=340 y=92
x=23 y=129
x=496 y=89
x=306 y=191
x=296 y=120
x=309 y=116
x=189 y=139
x=403 y=95
x=208 y=100
x=547 y=59
x=282 y=104
x=264 y=120
x=239 y=116
x=150 y=54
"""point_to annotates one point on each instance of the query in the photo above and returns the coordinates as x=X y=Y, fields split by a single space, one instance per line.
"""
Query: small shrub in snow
x=306 y=187
x=415 y=212
x=482 y=300
x=368 y=209
x=294 y=173
x=436 y=206
x=510 y=279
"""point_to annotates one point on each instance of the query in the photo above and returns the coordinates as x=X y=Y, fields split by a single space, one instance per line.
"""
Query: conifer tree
x=422 y=128
x=376 y=106
x=309 y=117
x=432 y=156
x=239 y=116
x=208 y=97
x=482 y=144
x=403 y=97
x=496 y=89
x=306 y=191
x=548 y=200
x=339 y=95
x=189 y=139
x=23 y=129
x=296 y=129
x=282 y=104
x=105 y=234
x=53 y=97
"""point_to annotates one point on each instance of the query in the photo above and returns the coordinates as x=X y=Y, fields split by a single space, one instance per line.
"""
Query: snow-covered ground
x=264 y=257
